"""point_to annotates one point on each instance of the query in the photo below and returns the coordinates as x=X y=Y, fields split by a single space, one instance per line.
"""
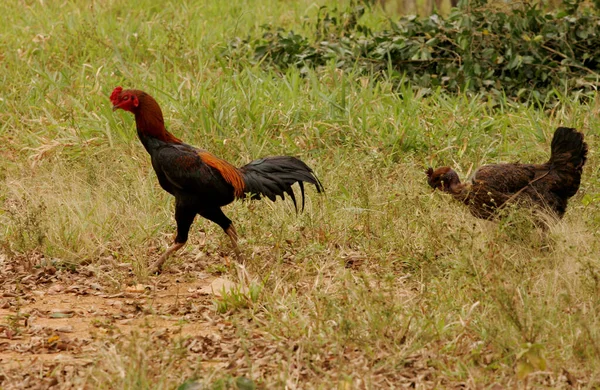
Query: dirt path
x=63 y=318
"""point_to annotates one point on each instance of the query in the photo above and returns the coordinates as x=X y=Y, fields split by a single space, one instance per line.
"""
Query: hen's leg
x=184 y=218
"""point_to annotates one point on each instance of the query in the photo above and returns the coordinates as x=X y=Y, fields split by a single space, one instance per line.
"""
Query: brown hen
x=548 y=185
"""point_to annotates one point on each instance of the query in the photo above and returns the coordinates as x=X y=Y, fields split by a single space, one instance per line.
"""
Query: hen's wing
x=506 y=178
x=481 y=199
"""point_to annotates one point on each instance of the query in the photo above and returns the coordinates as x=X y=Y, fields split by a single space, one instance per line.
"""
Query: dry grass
x=379 y=284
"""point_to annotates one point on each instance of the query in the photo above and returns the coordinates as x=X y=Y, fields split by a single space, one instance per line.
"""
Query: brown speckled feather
x=548 y=185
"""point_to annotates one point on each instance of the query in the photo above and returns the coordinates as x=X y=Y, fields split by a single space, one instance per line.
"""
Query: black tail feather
x=568 y=154
x=568 y=149
x=301 y=184
x=290 y=192
x=274 y=176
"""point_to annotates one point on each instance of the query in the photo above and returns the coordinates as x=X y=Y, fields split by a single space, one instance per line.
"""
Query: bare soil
x=56 y=324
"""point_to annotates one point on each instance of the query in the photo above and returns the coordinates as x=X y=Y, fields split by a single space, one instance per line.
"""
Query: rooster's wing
x=183 y=169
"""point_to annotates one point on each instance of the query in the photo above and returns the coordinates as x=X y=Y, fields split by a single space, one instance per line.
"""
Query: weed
x=379 y=283
x=27 y=218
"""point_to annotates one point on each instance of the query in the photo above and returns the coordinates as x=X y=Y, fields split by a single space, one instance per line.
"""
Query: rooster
x=548 y=185
x=201 y=182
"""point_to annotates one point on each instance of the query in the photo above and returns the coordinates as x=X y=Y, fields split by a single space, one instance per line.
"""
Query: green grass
x=379 y=282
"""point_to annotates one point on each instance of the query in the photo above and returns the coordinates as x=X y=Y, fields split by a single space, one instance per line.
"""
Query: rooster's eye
x=125 y=97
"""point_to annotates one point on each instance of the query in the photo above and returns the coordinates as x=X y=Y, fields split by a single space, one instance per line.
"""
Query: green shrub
x=523 y=53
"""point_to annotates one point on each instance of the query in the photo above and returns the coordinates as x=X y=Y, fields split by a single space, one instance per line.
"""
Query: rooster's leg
x=242 y=274
x=157 y=266
x=184 y=219
x=232 y=233
x=216 y=215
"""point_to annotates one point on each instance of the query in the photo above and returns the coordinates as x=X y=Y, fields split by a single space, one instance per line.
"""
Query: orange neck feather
x=149 y=120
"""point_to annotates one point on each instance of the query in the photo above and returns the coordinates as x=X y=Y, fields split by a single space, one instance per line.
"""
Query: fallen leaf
x=219 y=286
x=64 y=329
x=138 y=288
x=55 y=289
x=61 y=315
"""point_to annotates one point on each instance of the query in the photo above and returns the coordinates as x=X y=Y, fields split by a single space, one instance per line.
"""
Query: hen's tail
x=568 y=154
x=274 y=176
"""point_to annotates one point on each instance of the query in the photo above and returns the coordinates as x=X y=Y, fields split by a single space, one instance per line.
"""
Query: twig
x=523 y=189
x=569 y=58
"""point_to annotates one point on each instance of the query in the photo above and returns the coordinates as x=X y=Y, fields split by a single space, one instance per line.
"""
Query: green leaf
x=61 y=315
x=190 y=384
x=524 y=369
x=244 y=383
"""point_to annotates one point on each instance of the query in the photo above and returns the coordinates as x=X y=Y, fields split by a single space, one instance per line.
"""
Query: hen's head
x=127 y=100
x=442 y=178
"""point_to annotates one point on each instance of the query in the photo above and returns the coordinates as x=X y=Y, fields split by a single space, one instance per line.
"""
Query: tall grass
x=380 y=282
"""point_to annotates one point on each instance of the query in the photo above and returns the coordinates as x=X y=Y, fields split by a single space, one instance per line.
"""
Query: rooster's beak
x=115 y=108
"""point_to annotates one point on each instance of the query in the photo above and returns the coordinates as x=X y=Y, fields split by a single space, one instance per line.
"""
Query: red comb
x=114 y=96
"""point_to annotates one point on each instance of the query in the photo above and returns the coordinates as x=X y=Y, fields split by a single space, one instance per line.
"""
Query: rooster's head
x=124 y=99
